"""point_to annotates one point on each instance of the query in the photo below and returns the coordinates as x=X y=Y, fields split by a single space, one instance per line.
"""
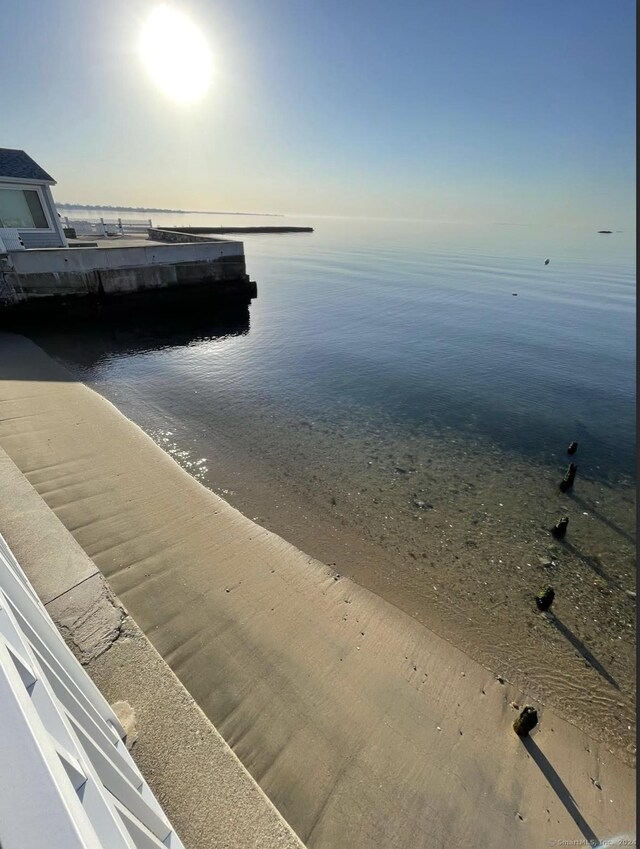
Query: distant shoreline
x=111 y=208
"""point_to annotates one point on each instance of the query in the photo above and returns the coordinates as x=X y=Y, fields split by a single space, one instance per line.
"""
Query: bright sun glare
x=175 y=55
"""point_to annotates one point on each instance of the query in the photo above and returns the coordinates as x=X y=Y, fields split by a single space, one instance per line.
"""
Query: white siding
x=40 y=239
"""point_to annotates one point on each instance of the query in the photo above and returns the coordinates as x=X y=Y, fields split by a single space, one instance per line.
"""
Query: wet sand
x=364 y=727
x=455 y=532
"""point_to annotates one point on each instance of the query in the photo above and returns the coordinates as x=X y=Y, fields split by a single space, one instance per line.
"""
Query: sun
x=175 y=54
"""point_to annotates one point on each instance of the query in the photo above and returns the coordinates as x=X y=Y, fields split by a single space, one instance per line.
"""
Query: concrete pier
x=83 y=277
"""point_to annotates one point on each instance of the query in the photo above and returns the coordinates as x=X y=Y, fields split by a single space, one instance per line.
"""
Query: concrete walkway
x=210 y=798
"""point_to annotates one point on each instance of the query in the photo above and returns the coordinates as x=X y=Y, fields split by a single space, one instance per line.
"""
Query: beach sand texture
x=362 y=726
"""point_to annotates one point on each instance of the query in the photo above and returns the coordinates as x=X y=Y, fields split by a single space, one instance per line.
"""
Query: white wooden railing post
x=68 y=780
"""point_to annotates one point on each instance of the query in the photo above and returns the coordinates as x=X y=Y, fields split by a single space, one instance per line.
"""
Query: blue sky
x=447 y=110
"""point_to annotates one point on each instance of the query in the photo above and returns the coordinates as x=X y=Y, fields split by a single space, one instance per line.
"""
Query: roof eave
x=25 y=180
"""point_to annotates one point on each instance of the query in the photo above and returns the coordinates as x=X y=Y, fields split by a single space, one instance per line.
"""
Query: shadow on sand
x=592 y=562
x=580 y=647
x=560 y=789
x=593 y=511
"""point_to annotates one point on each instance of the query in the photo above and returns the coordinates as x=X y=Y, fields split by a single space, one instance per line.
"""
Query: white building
x=28 y=216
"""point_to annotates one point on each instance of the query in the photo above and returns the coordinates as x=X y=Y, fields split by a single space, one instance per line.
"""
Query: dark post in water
x=560 y=528
x=569 y=477
x=526 y=722
x=545 y=598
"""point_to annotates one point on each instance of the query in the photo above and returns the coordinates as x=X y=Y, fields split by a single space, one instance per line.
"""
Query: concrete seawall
x=33 y=279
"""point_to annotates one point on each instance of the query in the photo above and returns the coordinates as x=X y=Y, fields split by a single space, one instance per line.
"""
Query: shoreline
x=338 y=703
x=467 y=565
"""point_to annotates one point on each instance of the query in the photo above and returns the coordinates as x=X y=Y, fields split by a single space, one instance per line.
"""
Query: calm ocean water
x=439 y=327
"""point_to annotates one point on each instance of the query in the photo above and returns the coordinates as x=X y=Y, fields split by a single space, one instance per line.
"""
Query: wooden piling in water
x=545 y=598
x=526 y=722
x=560 y=528
x=569 y=477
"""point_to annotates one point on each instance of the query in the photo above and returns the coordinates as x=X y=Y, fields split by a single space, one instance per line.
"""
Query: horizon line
x=112 y=207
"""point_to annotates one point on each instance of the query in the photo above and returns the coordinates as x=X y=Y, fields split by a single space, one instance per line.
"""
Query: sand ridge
x=363 y=727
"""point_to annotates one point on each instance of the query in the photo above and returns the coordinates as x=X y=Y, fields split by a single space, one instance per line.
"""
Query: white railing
x=107 y=226
x=67 y=780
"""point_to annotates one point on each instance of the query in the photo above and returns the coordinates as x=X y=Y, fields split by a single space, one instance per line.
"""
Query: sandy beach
x=364 y=727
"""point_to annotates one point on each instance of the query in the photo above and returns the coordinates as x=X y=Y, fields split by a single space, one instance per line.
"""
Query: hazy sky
x=441 y=109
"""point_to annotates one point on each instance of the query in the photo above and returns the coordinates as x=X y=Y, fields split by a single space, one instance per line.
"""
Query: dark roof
x=17 y=165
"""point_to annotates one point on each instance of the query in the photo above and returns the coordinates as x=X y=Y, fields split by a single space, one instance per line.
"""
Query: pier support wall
x=32 y=279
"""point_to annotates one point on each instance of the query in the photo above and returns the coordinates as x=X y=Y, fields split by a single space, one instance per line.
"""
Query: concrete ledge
x=44 y=547
x=68 y=260
x=89 y=617
x=215 y=284
x=208 y=795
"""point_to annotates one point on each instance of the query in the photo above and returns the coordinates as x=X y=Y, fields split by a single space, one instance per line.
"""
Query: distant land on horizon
x=158 y=209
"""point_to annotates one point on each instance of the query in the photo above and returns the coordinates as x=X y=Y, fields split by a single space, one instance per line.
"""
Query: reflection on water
x=420 y=321
x=128 y=335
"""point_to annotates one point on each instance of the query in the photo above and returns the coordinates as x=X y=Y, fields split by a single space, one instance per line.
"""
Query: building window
x=21 y=210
